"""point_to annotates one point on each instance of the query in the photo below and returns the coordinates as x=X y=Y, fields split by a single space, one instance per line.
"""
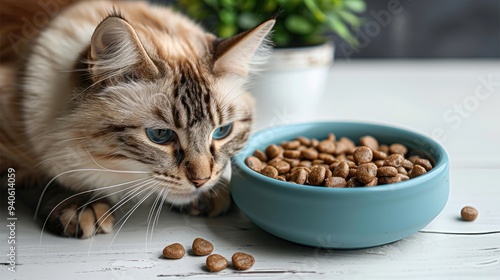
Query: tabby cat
x=102 y=101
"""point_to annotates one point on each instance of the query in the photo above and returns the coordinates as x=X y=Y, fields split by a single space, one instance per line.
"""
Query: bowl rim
x=441 y=165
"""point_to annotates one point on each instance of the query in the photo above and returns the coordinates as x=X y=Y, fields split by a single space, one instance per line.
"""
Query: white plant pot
x=291 y=86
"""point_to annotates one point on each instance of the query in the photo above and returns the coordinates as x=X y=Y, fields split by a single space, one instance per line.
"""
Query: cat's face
x=182 y=133
x=176 y=121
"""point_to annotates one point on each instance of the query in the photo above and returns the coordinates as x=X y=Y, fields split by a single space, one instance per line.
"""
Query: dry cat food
x=242 y=261
x=202 y=247
x=216 y=263
x=338 y=163
x=469 y=213
x=174 y=251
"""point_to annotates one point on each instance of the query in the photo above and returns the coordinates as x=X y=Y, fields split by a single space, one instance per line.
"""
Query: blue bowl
x=342 y=217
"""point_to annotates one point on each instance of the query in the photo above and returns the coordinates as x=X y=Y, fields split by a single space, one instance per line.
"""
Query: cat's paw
x=73 y=219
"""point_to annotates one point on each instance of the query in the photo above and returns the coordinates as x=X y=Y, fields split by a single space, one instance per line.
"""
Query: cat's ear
x=237 y=54
x=116 y=52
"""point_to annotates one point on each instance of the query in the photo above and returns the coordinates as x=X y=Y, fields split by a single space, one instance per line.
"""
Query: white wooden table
x=418 y=94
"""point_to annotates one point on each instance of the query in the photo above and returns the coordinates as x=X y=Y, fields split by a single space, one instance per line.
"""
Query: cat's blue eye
x=222 y=132
x=160 y=136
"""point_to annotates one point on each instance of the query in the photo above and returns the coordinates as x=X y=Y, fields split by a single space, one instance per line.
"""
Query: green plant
x=300 y=23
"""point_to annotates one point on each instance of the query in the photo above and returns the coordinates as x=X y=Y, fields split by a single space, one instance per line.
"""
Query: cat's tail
x=21 y=21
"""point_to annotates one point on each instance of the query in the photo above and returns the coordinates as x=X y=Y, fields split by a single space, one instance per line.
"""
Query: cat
x=103 y=101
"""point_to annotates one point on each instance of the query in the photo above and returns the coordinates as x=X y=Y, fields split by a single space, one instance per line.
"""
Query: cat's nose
x=199 y=182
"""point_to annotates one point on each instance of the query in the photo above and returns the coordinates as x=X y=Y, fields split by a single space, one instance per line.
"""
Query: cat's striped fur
x=78 y=93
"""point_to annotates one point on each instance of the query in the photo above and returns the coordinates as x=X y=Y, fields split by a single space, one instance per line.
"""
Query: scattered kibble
x=216 y=263
x=469 y=213
x=242 y=261
x=202 y=247
x=174 y=251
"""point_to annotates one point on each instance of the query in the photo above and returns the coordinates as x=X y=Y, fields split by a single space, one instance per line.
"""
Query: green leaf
x=298 y=24
x=315 y=11
x=350 y=18
x=341 y=30
x=357 y=6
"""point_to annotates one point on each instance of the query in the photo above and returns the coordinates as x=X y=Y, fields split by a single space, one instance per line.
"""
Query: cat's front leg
x=78 y=216
x=216 y=201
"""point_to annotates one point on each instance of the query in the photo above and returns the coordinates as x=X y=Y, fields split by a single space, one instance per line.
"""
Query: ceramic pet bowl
x=342 y=217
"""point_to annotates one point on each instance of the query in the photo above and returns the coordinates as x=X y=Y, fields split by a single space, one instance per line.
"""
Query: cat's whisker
x=150 y=215
x=77 y=194
x=96 y=197
x=81 y=170
x=158 y=211
x=131 y=211
x=131 y=194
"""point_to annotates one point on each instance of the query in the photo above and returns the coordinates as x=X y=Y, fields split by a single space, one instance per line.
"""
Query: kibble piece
x=326 y=146
x=369 y=141
x=282 y=167
x=254 y=163
x=293 y=162
x=299 y=176
x=328 y=173
x=202 y=247
x=216 y=263
x=352 y=172
x=260 y=155
x=354 y=182
x=291 y=145
x=469 y=213
x=342 y=170
x=317 y=162
x=341 y=148
x=413 y=158
x=274 y=160
x=394 y=160
x=387 y=171
x=242 y=261
x=331 y=137
x=291 y=154
x=305 y=163
x=417 y=170
x=303 y=141
x=362 y=154
x=402 y=170
x=397 y=148
x=425 y=163
x=372 y=183
x=383 y=148
x=270 y=171
x=273 y=151
x=389 y=180
x=314 y=142
x=335 y=182
x=403 y=177
x=366 y=172
x=377 y=155
x=379 y=163
x=408 y=165
x=281 y=178
x=327 y=158
x=309 y=153
x=317 y=175
x=174 y=251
